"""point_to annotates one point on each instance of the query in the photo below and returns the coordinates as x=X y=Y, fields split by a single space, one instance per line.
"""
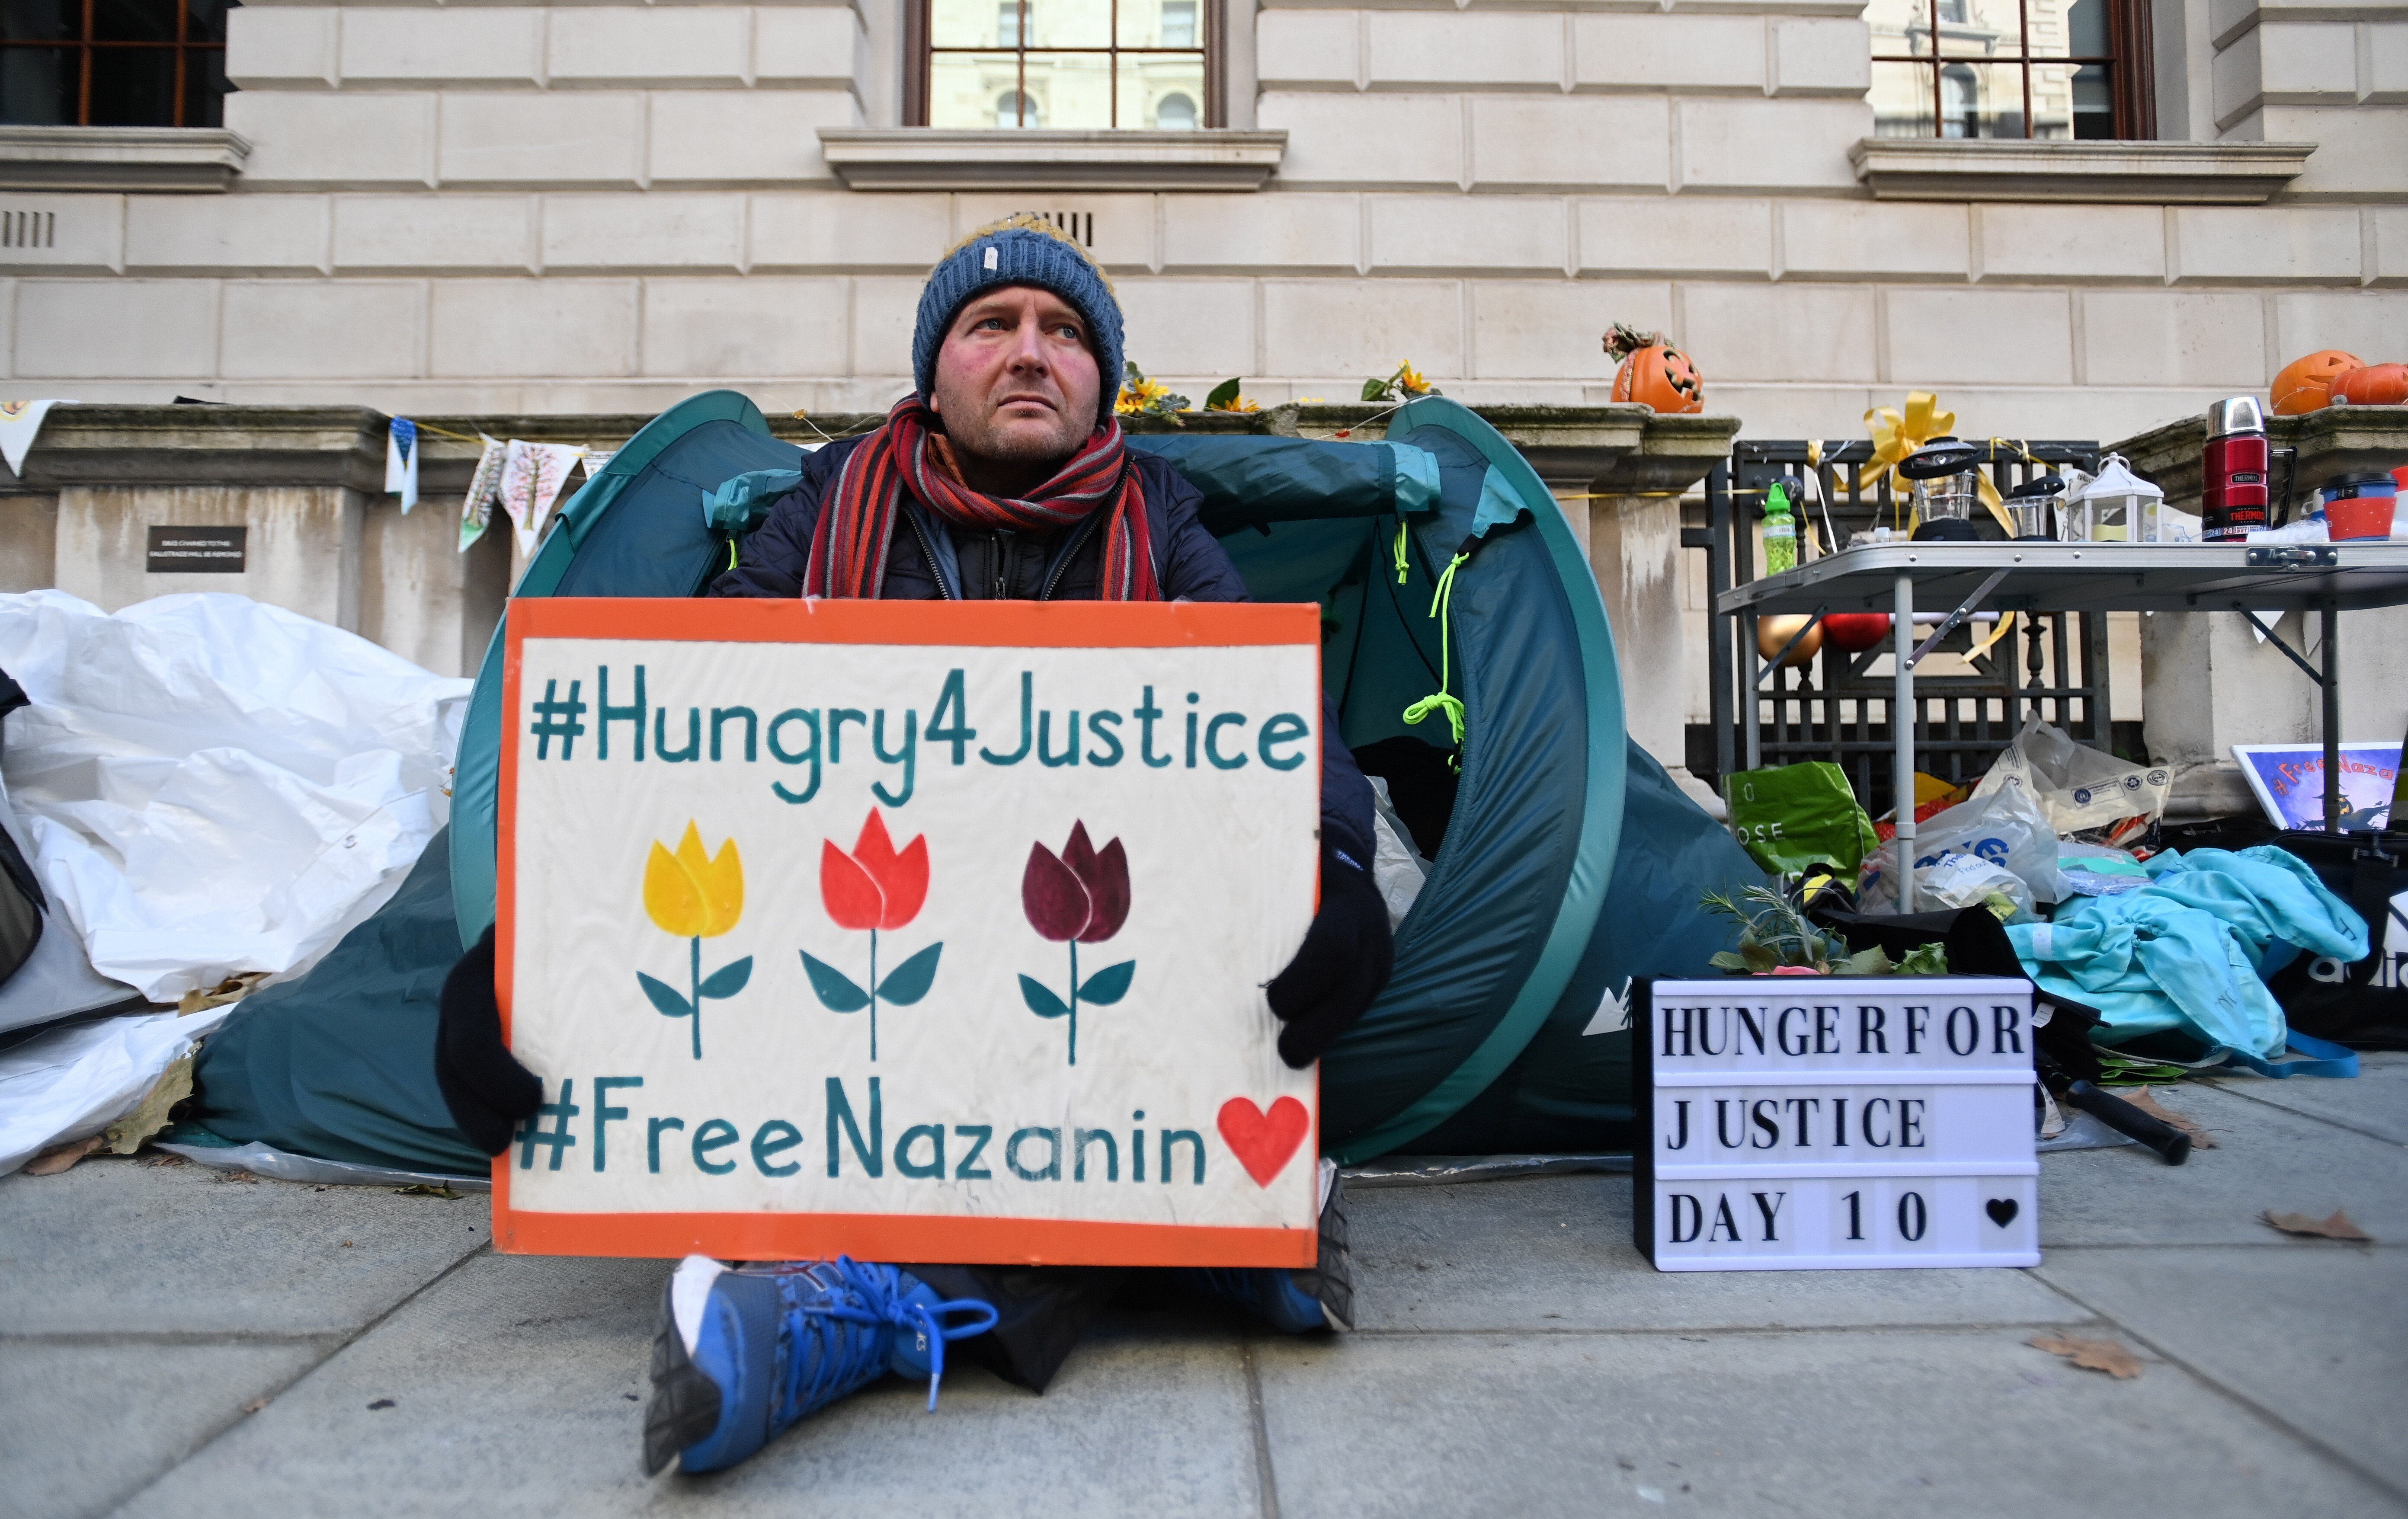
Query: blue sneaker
x=741 y=1354
x=1296 y=1302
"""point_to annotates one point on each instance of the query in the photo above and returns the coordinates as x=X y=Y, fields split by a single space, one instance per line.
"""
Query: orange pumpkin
x=1654 y=373
x=2303 y=384
x=2373 y=384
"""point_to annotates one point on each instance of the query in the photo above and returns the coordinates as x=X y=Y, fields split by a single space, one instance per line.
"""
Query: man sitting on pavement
x=1004 y=476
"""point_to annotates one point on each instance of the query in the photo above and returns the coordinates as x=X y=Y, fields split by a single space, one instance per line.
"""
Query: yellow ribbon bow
x=1895 y=437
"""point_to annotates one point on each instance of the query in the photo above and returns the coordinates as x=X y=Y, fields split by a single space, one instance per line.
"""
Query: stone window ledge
x=932 y=158
x=2156 y=173
x=119 y=157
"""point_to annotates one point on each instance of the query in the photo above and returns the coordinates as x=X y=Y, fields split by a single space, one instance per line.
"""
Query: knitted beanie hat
x=1020 y=250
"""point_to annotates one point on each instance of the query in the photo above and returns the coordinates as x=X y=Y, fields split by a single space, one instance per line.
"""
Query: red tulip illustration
x=875 y=887
x=1079 y=896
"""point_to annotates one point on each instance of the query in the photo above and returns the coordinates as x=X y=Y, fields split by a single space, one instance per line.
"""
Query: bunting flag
x=485 y=486
x=19 y=423
x=531 y=477
x=401 y=462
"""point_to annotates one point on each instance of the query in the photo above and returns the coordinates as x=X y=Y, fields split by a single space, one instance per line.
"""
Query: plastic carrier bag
x=2006 y=828
x=1791 y=816
x=2086 y=794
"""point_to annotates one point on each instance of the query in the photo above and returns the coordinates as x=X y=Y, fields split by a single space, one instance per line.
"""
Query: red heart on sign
x=1264 y=1142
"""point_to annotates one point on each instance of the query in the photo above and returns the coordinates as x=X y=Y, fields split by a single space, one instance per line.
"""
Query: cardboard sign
x=1818 y=1122
x=915 y=931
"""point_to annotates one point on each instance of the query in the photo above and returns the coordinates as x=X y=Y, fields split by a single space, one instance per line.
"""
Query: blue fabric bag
x=2191 y=950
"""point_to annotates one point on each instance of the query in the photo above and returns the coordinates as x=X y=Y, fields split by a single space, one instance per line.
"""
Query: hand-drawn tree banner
x=913 y=931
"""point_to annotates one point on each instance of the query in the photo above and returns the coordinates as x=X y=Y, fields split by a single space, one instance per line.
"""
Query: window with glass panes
x=112 y=62
x=2049 y=69
x=1092 y=64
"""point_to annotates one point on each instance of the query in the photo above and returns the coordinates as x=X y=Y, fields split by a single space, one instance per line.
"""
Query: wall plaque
x=191 y=551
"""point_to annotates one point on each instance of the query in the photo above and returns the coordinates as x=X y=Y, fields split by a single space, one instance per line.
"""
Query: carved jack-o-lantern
x=2303 y=384
x=1654 y=373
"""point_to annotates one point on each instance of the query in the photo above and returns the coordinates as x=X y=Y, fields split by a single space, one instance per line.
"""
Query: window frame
x=919 y=32
x=85 y=44
x=2131 y=75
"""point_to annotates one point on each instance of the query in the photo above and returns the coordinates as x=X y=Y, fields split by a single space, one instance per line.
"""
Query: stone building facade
x=514 y=211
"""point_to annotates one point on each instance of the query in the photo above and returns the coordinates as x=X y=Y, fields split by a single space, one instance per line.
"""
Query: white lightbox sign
x=1835 y=1123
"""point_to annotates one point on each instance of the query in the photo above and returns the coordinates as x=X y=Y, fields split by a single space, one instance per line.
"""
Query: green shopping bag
x=1791 y=816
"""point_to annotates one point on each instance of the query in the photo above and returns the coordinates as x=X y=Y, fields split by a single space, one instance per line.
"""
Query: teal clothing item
x=2191 y=950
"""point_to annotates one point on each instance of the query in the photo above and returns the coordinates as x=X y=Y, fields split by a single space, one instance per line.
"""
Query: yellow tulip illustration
x=691 y=894
x=694 y=897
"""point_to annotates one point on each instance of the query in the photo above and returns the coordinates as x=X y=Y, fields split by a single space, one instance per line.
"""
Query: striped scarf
x=856 y=526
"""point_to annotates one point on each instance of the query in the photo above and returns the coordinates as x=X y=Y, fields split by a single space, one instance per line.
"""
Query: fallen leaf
x=422 y=1189
x=2093 y=1355
x=234 y=1176
x=258 y=1403
x=150 y=1115
x=2336 y=1228
x=58 y=1157
x=2139 y=1097
x=229 y=990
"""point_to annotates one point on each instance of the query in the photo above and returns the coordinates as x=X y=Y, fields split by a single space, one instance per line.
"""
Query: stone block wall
x=580 y=207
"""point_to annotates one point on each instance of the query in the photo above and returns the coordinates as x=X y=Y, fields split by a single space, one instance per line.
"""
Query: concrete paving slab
x=1853 y=1423
x=517 y=1385
x=2309 y=1330
x=2267 y=1157
x=123 y=1245
x=1555 y=1253
x=2375 y=1101
x=84 y=1425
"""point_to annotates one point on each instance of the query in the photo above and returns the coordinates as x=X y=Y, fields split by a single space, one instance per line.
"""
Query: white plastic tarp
x=214 y=785
x=57 y=980
x=72 y=1082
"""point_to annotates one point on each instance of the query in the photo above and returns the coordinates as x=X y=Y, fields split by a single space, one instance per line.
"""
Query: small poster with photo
x=2289 y=781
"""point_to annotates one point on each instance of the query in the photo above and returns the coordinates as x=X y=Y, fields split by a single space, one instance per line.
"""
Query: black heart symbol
x=2002 y=1210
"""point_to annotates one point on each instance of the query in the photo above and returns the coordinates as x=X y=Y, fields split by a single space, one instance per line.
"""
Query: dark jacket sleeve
x=771 y=561
x=1193 y=565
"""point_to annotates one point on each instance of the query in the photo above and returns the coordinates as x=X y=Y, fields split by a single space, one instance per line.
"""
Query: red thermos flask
x=2232 y=499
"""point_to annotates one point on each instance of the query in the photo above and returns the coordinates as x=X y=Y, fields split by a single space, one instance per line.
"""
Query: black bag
x=22 y=903
x=2363 y=1004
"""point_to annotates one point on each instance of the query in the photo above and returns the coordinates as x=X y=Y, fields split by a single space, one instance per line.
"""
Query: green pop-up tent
x=1563 y=861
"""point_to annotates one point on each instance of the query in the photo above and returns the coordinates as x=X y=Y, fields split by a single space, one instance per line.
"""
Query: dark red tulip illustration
x=1079 y=896
x=876 y=886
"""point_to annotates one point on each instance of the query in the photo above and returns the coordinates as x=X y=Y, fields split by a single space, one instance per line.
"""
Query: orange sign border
x=882 y=1236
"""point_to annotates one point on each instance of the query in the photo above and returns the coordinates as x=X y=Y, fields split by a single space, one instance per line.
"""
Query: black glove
x=486 y=1089
x=1345 y=961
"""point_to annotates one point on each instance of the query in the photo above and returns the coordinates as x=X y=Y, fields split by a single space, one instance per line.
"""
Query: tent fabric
x=1569 y=1088
x=340 y=1064
x=1564 y=862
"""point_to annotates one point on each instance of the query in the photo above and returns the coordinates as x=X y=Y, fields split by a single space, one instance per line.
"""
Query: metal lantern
x=1948 y=487
x=2028 y=507
x=2119 y=507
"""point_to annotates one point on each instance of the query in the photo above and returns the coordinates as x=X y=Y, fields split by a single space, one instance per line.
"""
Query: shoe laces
x=866 y=1296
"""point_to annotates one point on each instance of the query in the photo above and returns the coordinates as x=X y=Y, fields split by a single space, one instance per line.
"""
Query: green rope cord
x=1442 y=699
x=731 y=554
x=1399 y=554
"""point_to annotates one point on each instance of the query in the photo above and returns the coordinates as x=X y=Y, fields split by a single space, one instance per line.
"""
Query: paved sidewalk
x=172 y=1345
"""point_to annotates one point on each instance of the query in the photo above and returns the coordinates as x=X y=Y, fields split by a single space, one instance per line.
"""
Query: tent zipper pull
x=1442 y=699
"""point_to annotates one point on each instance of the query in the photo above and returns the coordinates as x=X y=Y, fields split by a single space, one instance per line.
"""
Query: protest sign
x=2289 y=781
x=1836 y=1123
x=912 y=931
